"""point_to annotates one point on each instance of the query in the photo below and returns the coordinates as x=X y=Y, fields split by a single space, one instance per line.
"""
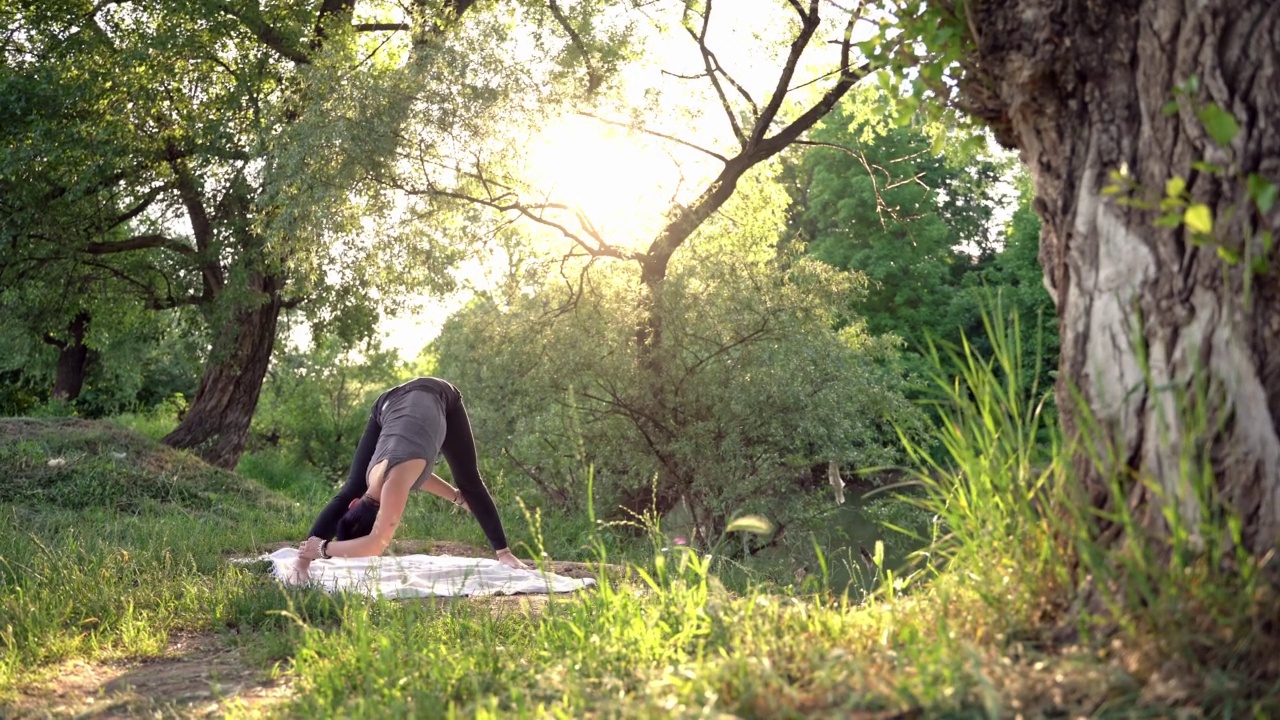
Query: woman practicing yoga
x=411 y=424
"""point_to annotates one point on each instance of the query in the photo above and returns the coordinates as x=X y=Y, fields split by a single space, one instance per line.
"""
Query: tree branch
x=137 y=209
x=700 y=38
x=272 y=38
x=654 y=133
x=138 y=242
x=507 y=202
x=688 y=218
x=201 y=226
x=449 y=14
x=189 y=194
x=678 y=76
x=381 y=27
x=575 y=291
x=808 y=25
x=330 y=9
x=594 y=77
x=743 y=340
x=755 y=111
x=848 y=77
x=533 y=475
x=152 y=300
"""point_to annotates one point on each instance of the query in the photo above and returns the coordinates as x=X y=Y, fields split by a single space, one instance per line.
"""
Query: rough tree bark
x=216 y=425
x=73 y=359
x=1151 y=322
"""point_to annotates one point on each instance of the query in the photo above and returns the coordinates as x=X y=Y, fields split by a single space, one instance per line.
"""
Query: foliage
x=1179 y=209
x=315 y=403
x=240 y=159
x=111 y=542
x=876 y=198
x=1013 y=514
x=662 y=636
x=920 y=221
x=761 y=386
x=135 y=361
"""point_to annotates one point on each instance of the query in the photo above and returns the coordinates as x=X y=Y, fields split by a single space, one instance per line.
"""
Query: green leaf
x=1169 y=221
x=1219 y=123
x=1170 y=108
x=750 y=523
x=1175 y=186
x=1227 y=254
x=1206 y=167
x=1263 y=192
x=1199 y=218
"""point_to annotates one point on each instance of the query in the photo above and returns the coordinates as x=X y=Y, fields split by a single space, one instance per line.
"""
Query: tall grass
x=976 y=629
x=998 y=476
x=676 y=646
x=1185 y=604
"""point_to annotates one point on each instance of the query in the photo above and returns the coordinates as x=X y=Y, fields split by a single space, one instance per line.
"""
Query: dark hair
x=358 y=521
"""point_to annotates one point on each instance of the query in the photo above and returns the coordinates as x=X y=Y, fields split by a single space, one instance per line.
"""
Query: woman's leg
x=459 y=450
x=357 y=484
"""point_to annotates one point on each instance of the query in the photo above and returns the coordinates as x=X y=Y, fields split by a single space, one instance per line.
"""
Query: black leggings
x=458 y=449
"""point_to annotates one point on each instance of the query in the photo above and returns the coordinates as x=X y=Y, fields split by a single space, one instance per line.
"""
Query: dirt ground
x=202 y=676
x=197 y=677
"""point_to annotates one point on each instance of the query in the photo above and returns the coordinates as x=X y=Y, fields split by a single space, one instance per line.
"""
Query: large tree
x=1152 y=131
x=813 y=63
x=233 y=140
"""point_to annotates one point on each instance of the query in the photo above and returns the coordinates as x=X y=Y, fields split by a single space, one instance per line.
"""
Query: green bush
x=756 y=388
x=315 y=403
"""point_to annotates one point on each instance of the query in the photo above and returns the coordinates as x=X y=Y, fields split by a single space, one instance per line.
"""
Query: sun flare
x=616 y=180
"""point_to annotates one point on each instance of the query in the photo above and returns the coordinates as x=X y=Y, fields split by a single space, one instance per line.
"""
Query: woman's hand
x=461 y=502
x=506 y=558
x=301 y=572
x=310 y=549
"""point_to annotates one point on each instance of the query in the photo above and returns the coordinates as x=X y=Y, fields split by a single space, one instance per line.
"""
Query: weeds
x=971 y=629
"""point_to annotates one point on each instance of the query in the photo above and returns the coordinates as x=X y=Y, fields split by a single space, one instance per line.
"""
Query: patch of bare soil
x=197 y=677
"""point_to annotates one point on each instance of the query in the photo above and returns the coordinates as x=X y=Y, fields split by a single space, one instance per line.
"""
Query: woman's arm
x=395 y=494
x=440 y=488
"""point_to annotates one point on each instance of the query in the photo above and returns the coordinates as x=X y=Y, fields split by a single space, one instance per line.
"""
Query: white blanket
x=410 y=576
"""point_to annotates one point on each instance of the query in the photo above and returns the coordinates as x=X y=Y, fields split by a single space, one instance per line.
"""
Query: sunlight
x=620 y=183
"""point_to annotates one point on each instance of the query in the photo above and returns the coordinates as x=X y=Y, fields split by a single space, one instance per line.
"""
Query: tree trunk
x=216 y=425
x=73 y=360
x=1157 y=330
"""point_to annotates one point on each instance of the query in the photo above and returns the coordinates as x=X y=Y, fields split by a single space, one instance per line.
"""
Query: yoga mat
x=412 y=576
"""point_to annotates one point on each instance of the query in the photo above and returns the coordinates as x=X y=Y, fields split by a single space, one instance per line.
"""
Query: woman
x=411 y=424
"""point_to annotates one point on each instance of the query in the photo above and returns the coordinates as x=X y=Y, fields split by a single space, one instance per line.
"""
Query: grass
x=105 y=557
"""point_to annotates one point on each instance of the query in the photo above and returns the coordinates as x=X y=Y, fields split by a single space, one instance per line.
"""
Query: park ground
x=121 y=595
